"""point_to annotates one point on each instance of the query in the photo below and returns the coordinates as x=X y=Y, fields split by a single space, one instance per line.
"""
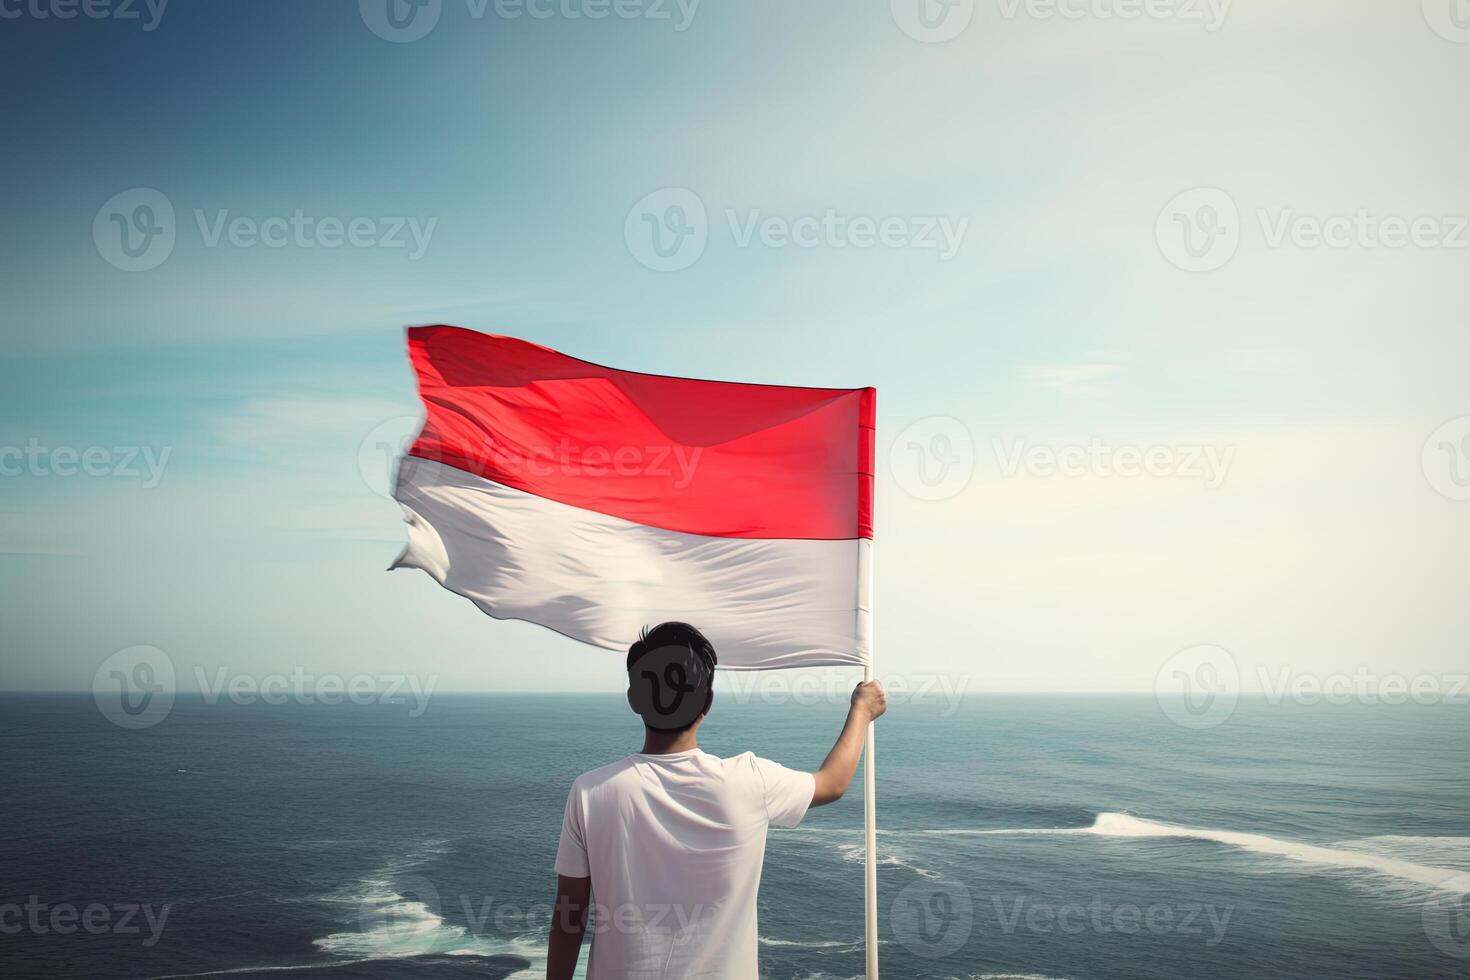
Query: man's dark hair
x=695 y=654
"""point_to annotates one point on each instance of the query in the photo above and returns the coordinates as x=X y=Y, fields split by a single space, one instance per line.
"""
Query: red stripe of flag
x=703 y=457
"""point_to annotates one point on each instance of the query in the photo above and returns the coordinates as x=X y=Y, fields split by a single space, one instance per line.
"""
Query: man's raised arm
x=868 y=703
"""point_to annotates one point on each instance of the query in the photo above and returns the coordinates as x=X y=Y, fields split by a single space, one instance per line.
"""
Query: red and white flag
x=596 y=501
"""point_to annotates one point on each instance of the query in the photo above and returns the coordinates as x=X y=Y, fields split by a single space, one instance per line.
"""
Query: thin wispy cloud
x=1072 y=379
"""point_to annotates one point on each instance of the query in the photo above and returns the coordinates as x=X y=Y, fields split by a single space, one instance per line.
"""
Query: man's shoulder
x=625 y=770
x=747 y=768
x=745 y=760
x=744 y=763
x=602 y=774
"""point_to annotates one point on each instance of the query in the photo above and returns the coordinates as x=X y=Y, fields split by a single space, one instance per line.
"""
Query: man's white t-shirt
x=674 y=845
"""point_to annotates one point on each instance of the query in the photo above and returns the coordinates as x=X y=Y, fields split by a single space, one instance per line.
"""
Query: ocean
x=1020 y=836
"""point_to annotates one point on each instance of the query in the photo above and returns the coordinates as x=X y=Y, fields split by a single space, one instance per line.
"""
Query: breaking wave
x=1358 y=855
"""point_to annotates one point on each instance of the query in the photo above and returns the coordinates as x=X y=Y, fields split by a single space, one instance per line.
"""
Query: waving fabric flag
x=595 y=501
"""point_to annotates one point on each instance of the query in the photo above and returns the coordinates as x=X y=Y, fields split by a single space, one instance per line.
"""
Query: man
x=671 y=840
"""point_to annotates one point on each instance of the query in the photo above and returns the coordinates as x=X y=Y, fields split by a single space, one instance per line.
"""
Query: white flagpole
x=870 y=809
x=870 y=831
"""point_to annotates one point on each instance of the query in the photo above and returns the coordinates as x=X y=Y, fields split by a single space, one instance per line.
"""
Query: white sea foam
x=815 y=944
x=887 y=855
x=392 y=926
x=1357 y=856
x=1444 y=852
x=398 y=916
x=848 y=842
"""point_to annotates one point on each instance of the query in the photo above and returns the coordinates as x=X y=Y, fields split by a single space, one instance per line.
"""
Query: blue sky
x=518 y=146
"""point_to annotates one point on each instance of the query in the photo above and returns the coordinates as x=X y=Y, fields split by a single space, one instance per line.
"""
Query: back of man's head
x=671 y=672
